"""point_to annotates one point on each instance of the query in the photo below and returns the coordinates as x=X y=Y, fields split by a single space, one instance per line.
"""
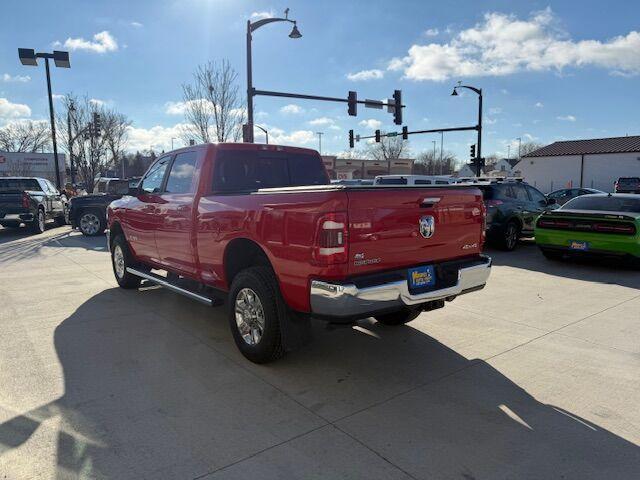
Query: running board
x=163 y=282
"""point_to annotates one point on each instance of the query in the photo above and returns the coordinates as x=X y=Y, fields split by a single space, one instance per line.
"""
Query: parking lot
x=537 y=376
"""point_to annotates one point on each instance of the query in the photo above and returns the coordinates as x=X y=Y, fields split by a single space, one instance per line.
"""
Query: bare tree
x=92 y=154
x=529 y=147
x=429 y=164
x=213 y=106
x=25 y=136
x=388 y=148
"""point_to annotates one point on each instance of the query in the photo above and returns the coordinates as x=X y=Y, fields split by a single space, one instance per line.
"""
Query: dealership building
x=595 y=163
x=356 y=168
x=22 y=164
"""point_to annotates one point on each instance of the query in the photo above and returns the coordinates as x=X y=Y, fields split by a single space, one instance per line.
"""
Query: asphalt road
x=537 y=376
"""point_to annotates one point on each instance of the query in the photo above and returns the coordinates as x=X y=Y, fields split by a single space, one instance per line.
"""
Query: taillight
x=546 y=223
x=330 y=246
x=26 y=203
x=608 y=228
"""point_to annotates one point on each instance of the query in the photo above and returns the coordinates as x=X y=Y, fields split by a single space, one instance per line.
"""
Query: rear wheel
x=255 y=311
x=398 y=318
x=509 y=239
x=121 y=259
x=91 y=223
x=38 y=223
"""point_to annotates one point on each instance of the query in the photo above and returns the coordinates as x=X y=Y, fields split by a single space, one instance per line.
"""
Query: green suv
x=512 y=210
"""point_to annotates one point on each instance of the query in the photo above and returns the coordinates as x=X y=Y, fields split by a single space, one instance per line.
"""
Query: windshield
x=611 y=204
x=19 y=185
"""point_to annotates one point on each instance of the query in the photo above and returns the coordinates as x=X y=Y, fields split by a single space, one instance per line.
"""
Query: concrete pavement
x=537 y=376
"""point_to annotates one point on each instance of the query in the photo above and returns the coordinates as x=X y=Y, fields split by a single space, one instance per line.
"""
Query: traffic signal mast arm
x=434 y=130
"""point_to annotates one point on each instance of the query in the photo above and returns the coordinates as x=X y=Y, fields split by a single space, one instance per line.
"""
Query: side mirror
x=551 y=201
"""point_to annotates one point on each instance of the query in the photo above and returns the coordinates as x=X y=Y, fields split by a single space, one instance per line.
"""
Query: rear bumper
x=17 y=217
x=348 y=300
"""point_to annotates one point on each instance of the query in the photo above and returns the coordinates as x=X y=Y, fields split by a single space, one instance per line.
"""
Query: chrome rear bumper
x=347 y=300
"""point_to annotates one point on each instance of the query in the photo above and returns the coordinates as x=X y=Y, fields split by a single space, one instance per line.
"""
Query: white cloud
x=539 y=105
x=364 y=75
x=10 y=110
x=490 y=121
x=432 y=32
x=16 y=78
x=158 y=137
x=503 y=44
x=371 y=123
x=57 y=96
x=175 y=108
x=297 y=137
x=261 y=15
x=136 y=24
x=102 y=42
x=291 y=109
x=334 y=127
x=321 y=121
x=567 y=118
x=495 y=110
x=262 y=114
x=97 y=102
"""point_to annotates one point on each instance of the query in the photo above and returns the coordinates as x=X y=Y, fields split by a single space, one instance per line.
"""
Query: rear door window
x=180 y=178
x=520 y=193
x=19 y=185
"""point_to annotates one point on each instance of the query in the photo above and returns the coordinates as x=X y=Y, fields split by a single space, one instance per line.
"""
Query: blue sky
x=549 y=70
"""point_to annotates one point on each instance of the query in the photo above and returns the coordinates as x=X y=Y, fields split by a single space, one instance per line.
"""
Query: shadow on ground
x=144 y=394
x=20 y=243
x=528 y=257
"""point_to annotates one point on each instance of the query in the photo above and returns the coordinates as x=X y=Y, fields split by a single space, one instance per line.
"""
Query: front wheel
x=255 y=311
x=398 y=318
x=91 y=223
x=120 y=260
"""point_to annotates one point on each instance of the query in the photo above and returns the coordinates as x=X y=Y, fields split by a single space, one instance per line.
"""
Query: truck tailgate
x=385 y=230
x=11 y=203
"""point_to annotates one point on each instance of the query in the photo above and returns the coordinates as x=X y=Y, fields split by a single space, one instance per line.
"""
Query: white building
x=595 y=163
x=22 y=164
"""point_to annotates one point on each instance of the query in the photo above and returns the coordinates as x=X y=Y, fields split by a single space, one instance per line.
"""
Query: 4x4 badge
x=427 y=226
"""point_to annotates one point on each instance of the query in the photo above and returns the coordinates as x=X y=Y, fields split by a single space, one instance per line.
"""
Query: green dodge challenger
x=601 y=224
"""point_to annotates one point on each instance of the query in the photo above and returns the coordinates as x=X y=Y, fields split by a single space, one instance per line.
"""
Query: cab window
x=152 y=182
x=180 y=178
x=536 y=196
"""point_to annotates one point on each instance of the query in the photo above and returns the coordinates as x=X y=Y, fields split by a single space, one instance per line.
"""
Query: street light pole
x=478 y=91
x=251 y=27
x=266 y=134
x=441 y=146
x=320 y=141
x=28 y=56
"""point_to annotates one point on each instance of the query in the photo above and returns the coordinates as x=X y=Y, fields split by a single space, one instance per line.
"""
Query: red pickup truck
x=262 y=227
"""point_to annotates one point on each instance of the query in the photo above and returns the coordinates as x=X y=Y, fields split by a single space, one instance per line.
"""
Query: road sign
x=392 y=134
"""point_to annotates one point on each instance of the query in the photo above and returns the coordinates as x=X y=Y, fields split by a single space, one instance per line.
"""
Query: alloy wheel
x=89 y=223
x=250 y=317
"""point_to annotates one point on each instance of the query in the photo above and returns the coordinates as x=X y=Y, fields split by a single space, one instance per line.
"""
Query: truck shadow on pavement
x=19 y=244
x=527 y=256
x=154 y=388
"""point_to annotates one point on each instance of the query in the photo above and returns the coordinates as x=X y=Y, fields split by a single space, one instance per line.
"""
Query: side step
x=163 y=282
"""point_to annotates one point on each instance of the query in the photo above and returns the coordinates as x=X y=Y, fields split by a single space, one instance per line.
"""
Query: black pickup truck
x=88 y=213
x=32 y=201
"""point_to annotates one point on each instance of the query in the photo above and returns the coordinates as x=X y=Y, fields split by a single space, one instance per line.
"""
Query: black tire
x=38 y=223
x=552 y=254
x=261 y=282
x=508 y=240
x=91 y=222
x=125 y=279
x=398 y=318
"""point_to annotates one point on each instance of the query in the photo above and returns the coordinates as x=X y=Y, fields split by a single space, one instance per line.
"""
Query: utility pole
x=519 y=146
x=320 y=141
x=434 y=156
x=441 y=146
x=71 y=109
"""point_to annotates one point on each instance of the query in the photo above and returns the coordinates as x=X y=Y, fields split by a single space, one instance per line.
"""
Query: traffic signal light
x=405 y=133
x=351 y=144
x=378 y=136
x=397 y=111
x=472 y=151
x=353 y=103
